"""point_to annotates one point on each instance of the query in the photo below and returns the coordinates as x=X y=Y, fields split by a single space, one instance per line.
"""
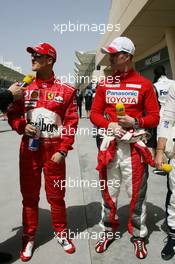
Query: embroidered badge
x=50 y=96
x=30 y=103
x=34 y=95
x=59 y=99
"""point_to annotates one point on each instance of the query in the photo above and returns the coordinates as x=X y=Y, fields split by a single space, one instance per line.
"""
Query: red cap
x=43 y=48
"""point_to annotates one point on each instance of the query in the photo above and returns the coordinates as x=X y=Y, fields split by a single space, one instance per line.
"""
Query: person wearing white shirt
x=162 y=85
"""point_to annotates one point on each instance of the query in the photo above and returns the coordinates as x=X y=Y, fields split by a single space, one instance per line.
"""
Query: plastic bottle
x=34 y=142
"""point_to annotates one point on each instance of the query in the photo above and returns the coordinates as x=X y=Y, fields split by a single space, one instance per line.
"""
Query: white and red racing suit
x=53 y=106
x=124 y=160
x=167 y=123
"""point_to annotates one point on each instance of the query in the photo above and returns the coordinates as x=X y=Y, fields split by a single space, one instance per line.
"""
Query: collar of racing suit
x=46 y=83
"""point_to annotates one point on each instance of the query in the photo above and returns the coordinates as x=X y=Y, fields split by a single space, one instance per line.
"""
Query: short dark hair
x=159 y=71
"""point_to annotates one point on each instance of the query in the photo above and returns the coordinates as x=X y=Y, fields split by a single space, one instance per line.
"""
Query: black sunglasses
x=38 y=55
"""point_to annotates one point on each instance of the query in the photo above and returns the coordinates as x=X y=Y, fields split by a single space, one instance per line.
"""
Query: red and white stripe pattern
x=127 y=166
x=140 y=248
x=103 y=243
x=66 y=244
x=27 y=248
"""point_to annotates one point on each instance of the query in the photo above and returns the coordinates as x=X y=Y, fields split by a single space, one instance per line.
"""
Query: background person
x=79 y=102
x=50 y=106
x=7 y=96
x=166 y=123
x=162 y=85
x=88 y=99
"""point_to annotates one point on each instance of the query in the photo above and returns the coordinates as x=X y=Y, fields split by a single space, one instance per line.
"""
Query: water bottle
x=34 y=142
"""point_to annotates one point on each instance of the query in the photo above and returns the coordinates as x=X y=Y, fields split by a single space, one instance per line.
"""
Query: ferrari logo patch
x=50 y=96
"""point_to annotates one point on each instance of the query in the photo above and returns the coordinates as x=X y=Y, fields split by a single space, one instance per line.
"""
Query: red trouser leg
x=137 y=218
x=55 y=189
x=30 y=182
x=109 y=221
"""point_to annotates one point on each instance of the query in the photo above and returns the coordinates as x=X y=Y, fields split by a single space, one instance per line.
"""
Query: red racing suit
x=52 y=106
x=125 y=161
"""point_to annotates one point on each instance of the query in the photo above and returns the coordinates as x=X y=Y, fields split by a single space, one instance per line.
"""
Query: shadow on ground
x=77 y=217
x=154 y=215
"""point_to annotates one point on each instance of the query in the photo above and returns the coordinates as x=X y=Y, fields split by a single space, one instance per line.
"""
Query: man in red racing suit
x=51 y=106
x=124 y=160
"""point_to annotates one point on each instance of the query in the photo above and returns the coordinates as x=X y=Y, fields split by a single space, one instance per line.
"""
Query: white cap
x=120 y=44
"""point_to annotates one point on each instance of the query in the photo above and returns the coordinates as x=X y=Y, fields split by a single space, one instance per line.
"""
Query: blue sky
x=28 y=22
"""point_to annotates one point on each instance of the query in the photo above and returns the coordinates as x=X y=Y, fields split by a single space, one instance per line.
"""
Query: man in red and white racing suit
x=51 y=106
x=124 y=160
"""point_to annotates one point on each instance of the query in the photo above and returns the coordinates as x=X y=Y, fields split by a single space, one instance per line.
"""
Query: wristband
x=136 y=124
x=62 y=153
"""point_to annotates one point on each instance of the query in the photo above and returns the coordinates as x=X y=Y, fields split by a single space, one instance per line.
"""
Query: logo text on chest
x=121 y=96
